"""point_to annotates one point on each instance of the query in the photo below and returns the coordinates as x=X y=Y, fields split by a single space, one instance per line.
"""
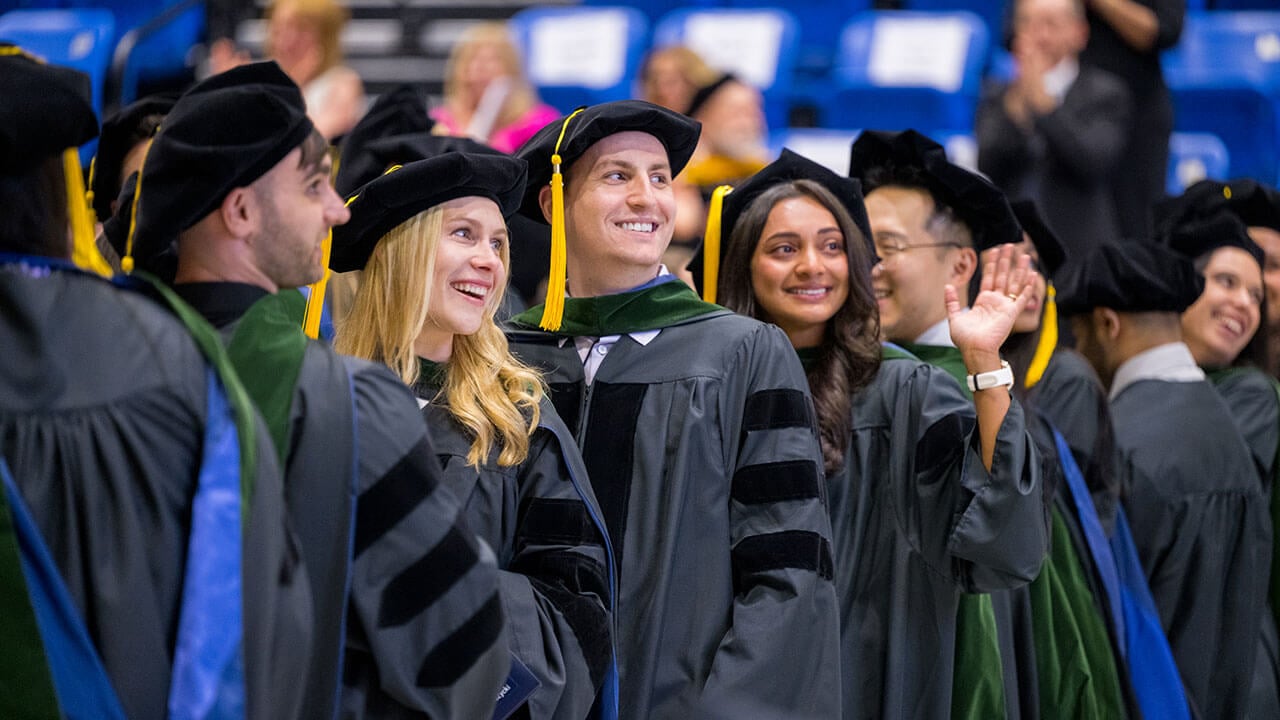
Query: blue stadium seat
x=1225 y=79
x=903 y=69
x=581 y=55
x=820 y=24
x=80 y=39
x=1194 y=157
x=759 y=45
x=992 y=12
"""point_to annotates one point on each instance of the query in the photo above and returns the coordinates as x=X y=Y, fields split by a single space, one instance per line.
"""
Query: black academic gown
x=1251 y=398
x=540 y=518
x=917 y=520
x=102 y=410
x=423 y=628
x=702 y=450
x=1200 y=521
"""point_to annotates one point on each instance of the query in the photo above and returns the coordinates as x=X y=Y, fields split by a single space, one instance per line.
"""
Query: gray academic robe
x=102 y=411
x=422 y=627
x=702 y=450
x=1251 y=398
x=916 y=521
x=1203 y=532
x=540 y=517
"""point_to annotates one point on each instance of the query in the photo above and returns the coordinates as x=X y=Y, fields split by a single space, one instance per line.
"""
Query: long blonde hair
x=522 y=97
x=493 y=395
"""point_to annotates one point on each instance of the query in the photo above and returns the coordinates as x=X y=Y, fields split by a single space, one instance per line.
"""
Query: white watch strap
x=994 y=378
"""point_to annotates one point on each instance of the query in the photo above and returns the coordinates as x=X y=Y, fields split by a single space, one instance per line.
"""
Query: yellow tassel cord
x=315 y=296
x=126 y=262
x=711 y=243
x=553 y=308
x=84 y=250
x=88 y=192
x=1048 y=339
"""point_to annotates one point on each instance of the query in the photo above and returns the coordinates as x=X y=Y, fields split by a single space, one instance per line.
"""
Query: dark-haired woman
x=1221 y=330
x=931 y=495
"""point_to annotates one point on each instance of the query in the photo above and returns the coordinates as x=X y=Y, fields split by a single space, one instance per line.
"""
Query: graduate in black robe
x=696 y=428
x=1192 y=492
x=240 y=179
x=108 y=407
x=931 y=496
x=432 y=242
x=1222 y=328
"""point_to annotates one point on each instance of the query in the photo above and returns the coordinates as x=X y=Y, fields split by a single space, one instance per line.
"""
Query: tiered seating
x=1194 y=157
x=1225 y=79
x=759 y=45
x=581 y=56
x=908 y=69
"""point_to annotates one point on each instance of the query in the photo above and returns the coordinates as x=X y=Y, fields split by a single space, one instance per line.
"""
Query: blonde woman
x=486 y=94
x=304 y=38
x=432 y=240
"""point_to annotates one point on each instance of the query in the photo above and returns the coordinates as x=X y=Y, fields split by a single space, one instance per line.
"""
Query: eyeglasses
x=888 y=251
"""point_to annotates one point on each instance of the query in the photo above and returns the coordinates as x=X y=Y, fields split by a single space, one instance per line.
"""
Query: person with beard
x=239 y=177
x=929 y=490
x=1197 y=508
x=147 y=564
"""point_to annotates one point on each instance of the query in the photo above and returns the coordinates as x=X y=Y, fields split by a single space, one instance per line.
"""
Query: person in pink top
x=486 y=94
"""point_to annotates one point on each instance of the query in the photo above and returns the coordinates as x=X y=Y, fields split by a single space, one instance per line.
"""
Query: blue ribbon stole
x=1096 y=538
x=79 y=679
x=208 y=664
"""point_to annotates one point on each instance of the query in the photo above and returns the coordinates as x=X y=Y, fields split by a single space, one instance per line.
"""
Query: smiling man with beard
x=697 y=432
x=240 y=177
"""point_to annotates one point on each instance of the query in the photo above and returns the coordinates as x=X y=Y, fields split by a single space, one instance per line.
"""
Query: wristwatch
x=991 y=379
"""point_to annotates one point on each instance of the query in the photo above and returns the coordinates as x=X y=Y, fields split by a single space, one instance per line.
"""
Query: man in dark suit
x=1055 y=132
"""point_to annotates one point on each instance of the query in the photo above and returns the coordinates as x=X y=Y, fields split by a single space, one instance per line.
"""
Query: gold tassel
x=126 y=262
x=88 y=192
x=553 y=308
x=1048 y=339
x=315 y=297
x=711 y=243
x=84 y=249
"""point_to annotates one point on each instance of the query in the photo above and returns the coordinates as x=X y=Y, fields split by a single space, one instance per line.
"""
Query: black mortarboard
x=46 y=109
x=406 y=191
x=558 y=145
x=1048 y=246
x=381 y=153
x=1256 y=204
x=789 y=166
x=910 y=159
x=225 y=132
x=1129 y=276
x=704 y=93
x=1202 y=235
x=120 y=132
x=677 y=133
x=398 y=112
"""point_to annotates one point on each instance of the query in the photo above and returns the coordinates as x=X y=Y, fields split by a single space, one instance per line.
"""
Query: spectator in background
x=486 y=94
x=1056 y=131
x=670 y=76
x=303 y=38
x=1125 y=38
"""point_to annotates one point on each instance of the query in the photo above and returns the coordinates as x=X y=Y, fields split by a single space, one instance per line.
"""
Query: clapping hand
x=981 y=331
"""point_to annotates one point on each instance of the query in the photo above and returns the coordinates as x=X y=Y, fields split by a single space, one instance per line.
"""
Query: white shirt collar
x=1171 y=362
x=937 y=334
x=1058 y=79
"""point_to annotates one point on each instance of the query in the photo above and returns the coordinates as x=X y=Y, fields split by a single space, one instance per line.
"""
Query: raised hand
x=980 y=331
